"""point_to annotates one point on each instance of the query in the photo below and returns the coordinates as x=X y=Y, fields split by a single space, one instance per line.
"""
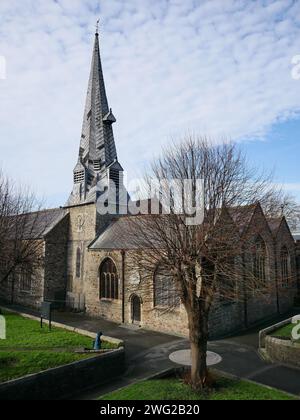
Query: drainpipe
x=123 y=286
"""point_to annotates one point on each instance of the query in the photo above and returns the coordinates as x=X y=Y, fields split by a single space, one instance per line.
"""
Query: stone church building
x=85 y=256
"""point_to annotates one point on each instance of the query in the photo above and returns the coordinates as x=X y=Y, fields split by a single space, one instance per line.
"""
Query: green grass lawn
x=29 y=349
x=175 y=389
x=285 y=332
x=23 y=332
x=17 y=364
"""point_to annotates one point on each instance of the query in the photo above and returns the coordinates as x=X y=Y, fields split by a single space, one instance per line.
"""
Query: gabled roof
x=115 y=165
x=119 y=235
x=38 y=224
x=274 y=224
x=116 y=236
x=79 y=166
x=242 y=216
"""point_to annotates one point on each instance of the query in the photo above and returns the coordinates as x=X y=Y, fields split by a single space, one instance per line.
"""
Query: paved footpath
x=147 y=354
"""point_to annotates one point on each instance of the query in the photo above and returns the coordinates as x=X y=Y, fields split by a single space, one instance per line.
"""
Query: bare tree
x=291 y=210
x=204 y=259
x=21 y=228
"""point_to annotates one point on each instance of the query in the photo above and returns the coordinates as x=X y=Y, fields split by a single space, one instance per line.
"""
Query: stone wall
x=109 y=309
x=267 y=331
x=85 y=225
x=168 y=320
x=55 y=278
x=81 y=233
x=276 y=299
x=286 y=295
x=66 y=381
x=48 y=282
x=282 y=351
x=224 y=319
x=11 y=290
x=33 y=297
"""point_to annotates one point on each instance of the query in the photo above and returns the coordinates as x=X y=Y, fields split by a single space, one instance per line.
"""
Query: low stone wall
x=64 y=381
x=267 y=331
x=283 y=351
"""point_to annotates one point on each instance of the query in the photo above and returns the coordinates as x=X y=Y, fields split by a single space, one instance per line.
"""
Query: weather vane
x=97 y=26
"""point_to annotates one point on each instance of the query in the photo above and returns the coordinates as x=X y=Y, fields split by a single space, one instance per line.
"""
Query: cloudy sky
x=217 y=67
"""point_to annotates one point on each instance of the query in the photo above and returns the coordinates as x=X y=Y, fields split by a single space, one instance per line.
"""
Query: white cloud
x=215 y=67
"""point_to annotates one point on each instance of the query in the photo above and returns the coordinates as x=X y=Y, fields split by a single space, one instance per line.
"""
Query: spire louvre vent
x=78 y=177
x=97 y=165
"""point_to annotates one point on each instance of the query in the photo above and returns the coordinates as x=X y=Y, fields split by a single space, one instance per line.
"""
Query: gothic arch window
x=78 y=263
x=285 y=266
x=109 y=281
x=260 y=260
x=166 y=293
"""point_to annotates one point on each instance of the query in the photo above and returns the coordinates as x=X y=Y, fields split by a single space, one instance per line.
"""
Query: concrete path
x=245 y=362
x=147 y=354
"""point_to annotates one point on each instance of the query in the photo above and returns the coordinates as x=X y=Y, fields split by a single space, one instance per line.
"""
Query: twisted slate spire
x=97 y=146
x=97 y=140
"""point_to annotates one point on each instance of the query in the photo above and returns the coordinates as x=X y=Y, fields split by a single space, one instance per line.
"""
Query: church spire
x=97 y=140
x=97 y=149
x=97 y=27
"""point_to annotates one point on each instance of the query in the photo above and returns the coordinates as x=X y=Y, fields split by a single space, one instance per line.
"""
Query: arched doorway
x=135 y=309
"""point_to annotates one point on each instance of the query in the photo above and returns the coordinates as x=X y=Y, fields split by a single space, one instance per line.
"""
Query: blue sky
x=220 y=68
x=279 y=152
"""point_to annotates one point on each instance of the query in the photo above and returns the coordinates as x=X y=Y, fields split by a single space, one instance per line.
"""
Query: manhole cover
x=183 y=357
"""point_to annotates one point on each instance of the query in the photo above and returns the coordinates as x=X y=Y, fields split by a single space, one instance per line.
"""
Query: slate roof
x=120 y=235
x=274 y=224
x=97 y=139
x=97 y=144
x=242 y=216
x=38 y=224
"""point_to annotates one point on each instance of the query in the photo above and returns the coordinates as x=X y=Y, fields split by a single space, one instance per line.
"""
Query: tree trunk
x=199 y=337
x=199 y=366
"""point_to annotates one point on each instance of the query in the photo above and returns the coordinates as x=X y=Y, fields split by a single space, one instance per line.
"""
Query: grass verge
x=175 y=389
